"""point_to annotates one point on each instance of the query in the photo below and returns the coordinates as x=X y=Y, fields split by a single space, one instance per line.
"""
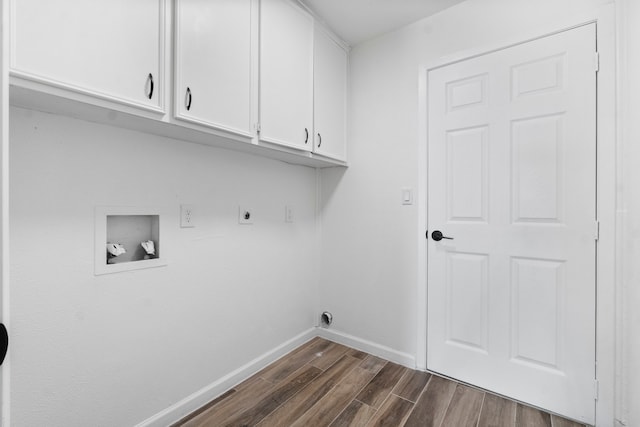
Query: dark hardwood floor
x=326 y=384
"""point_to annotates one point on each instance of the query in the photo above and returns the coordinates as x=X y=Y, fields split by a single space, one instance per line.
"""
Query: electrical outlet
x=187 y=217
x=245 y=216
x=288 y=213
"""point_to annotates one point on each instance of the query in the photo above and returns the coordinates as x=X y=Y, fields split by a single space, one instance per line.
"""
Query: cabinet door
x=213 y=63
x=108 y=49
x=286 y=74
x=330 y=86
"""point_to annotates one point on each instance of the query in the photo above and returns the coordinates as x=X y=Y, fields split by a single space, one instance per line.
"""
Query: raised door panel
x=536 y=168
x=467 y=282
x=111 y=50
x=467 y=189
x=213 y=63
x=537 y=311
x=286 y=74
x=330 y=87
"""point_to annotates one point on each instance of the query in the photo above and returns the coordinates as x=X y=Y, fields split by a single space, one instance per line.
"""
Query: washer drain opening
x=326 y=318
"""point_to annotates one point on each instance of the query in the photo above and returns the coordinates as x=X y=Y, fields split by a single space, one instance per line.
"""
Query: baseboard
x=205 y=395
x=370 y=347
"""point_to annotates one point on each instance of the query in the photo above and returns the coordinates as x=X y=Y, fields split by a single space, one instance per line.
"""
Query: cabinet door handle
x=187 y=99
x=150 y=80
x=319 y=140
x=306 y=137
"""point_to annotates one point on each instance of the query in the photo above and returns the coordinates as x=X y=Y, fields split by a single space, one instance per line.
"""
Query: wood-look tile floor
x=323 y=383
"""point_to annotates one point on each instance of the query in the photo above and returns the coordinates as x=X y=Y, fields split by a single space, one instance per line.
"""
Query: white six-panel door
x=512 y=179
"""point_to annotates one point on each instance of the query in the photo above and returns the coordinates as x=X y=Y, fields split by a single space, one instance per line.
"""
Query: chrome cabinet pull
x=319 y=140
x=306 y=137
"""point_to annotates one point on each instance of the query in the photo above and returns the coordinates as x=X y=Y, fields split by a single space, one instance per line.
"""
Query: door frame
x=4 y=204
x=608 y=314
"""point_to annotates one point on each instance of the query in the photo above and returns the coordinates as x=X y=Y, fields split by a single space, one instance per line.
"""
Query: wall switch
x=407 y=196
x=288 y=213
x=187 y=218
x=245 y=216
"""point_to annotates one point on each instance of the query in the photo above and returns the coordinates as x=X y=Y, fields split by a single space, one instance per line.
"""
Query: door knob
x=437 y=236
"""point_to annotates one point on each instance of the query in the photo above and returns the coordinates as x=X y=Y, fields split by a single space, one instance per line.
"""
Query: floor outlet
x=187 y=219
x=245 y=216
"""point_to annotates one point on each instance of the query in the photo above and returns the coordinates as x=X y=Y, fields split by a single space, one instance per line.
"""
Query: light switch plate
x=407 y=196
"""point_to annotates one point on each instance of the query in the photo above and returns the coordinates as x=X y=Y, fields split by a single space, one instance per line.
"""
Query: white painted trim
x=214 y=125
x=608 y=322
x=336 y=160
x=42 y=84
x=305 y=148
x=370 y=347
x=608 y=251
x=203 y=396
x=5 y=394
x=321 y=23
x=283 y=146
x=623 y=115
x=319 y=244
x=255 y=70
x=175 y=66
x=421 y=354
x=544 y=30
x=163 y=56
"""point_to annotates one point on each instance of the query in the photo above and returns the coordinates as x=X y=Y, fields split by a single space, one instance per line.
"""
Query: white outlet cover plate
x=245 y=215
x=187 y=216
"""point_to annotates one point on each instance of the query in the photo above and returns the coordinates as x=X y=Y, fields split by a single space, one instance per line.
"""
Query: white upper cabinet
x=286 y=74
x=112 y=50
x=329 y=96
x=251 y=71
x=213 y=54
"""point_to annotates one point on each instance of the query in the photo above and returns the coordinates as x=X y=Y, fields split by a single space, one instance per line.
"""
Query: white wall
x=91 y=347
x=370 y=241
x=114 y=350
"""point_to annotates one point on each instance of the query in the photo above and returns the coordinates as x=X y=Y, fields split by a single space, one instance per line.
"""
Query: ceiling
x=358 y=20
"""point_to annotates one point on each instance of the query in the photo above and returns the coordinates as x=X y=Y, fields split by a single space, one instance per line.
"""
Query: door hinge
x=597 y=230
x=258 y=128
x=596 y=389
x=597 y=61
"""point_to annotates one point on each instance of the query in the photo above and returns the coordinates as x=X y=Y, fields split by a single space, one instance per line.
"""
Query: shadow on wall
x=331 y=178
